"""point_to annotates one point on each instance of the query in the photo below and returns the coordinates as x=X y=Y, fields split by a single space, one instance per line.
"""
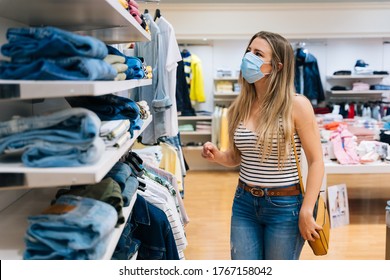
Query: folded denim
x=65 y=138
x=135 y=67
x=62 y=155
x=107 y=190
x=119 y=172
x=111 y=107
x=76 y=234
x=64 y=68
x=30 y=43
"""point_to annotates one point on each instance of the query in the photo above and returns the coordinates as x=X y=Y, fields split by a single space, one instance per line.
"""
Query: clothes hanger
x=157 y=14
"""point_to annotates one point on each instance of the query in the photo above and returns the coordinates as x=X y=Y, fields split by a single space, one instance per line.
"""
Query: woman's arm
x=213 y=154
x=307 y=129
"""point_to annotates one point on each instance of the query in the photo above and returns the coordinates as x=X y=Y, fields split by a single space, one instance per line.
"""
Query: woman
x=270 y=219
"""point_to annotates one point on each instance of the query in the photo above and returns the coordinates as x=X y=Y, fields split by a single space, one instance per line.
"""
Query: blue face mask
x=250 y=67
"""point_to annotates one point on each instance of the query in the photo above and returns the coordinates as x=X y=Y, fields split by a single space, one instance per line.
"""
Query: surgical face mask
x=250 y=67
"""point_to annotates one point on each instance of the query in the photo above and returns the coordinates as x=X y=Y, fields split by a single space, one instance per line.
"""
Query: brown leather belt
x=273 y=191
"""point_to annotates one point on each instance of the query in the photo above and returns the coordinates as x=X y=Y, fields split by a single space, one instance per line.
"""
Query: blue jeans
x=135 y=68
x=29 y=43
x=65 y=138
x=80 y=233
x=61 y=68
x=111 y=107
x=265 y=227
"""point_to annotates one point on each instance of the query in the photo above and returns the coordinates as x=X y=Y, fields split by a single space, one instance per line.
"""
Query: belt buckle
x=257 y=192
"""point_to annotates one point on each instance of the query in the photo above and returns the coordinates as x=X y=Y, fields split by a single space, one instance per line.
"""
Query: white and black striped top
x=266 y=173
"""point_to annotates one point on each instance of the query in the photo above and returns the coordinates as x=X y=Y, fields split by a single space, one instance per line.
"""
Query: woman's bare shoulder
x=302 y=106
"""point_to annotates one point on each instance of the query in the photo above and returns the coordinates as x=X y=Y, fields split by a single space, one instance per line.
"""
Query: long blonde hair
x=275 y=117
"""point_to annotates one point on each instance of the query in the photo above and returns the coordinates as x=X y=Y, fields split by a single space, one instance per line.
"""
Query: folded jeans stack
x=49 y=53
x=65 y=138
x=111 y=107
x=71 y=229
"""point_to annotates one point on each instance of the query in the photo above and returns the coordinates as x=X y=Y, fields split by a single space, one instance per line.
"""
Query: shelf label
x=9 y=91
x=12 y=179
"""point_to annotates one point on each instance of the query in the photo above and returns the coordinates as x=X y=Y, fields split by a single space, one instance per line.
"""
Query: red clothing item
x=351 y=111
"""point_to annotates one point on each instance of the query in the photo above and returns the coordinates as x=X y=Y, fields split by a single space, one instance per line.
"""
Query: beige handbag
x=321 y=214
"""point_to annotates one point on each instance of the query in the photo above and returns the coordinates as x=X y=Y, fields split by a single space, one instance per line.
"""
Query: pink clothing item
x=360 y=86
x=134 y=11
x=350 y=146
x=133 y=3
x=344 y=146
x=138 y=19
x=338 y=149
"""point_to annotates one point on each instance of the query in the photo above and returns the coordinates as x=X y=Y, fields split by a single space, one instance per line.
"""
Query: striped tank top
x=266 y=173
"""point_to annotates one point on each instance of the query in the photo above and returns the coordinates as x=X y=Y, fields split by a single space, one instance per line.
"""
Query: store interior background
x=337 y=33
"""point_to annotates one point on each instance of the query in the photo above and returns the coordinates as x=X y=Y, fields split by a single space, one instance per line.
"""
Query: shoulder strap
x=298 y=165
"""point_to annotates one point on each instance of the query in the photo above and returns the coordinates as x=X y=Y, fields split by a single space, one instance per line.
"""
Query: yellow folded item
x=120 y=77
x=112 y=58
x=120 y=67
x=124 y=4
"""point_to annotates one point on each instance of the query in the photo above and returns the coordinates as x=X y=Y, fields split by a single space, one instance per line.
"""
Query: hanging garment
x=307 y=77
x=183 y=102
x=197 y=84
x=155 y=95
x=172 y=57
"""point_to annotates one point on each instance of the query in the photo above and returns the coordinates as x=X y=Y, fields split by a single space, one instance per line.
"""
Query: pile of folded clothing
x=50 y=53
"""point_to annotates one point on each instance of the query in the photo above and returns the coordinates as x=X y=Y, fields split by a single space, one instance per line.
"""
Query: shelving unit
x=13 y=221
x=27 y=191
x=224 y=90
x=194 y=136
x=17 y=89
x=106 y=20
x=351 y=95
x=16 y=176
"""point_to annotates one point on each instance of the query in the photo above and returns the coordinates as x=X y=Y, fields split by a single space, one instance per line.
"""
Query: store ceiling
x=265 y=1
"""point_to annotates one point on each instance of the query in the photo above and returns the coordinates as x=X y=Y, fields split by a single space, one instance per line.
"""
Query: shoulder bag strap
x=298 y=165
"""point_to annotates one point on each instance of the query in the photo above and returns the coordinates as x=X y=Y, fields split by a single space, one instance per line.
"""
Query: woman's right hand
x=209 y=151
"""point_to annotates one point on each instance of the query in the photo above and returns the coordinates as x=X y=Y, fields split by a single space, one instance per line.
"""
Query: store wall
x=293 y=20
x=337 y=34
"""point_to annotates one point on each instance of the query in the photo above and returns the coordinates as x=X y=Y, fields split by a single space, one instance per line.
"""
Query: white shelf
x=18 y=89
x=226 y=94
x=194 y=118
x=16 y=176
x=226 y=78
x=346 y=77
x=376 y=167
x=357 y=91
x=14 y=223
x=103 y=19
x=194 y=133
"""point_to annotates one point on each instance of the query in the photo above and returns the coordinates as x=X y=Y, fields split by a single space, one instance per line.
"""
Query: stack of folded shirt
x=49 y=53
x=203 y=126
x=133 y=9
x=115 y=133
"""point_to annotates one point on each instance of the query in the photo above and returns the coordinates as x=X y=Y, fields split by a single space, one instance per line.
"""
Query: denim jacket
x=152 y=228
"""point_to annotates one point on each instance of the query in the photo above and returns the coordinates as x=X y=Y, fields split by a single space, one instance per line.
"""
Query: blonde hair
x=275 y=117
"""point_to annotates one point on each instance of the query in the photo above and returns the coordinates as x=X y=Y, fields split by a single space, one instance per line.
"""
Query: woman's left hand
x=307 y=226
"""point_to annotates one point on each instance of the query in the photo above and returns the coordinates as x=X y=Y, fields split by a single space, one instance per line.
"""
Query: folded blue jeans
x=26 y=44
x=111 y=107
x=81 y=232
x=135 y=68
x=61 y=68
x=64 y=138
